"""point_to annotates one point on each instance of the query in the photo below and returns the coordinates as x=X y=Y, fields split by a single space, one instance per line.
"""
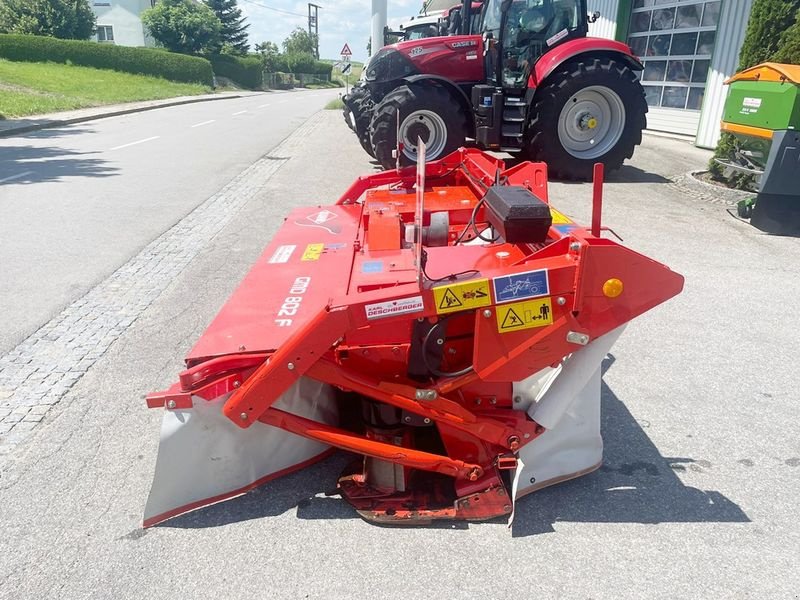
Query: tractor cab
x=517 y=33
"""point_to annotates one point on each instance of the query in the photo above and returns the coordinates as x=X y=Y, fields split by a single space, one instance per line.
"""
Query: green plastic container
x=765 y=97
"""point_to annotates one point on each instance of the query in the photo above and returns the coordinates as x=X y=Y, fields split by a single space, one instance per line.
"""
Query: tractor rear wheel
x=587 y=112
x=429 y=113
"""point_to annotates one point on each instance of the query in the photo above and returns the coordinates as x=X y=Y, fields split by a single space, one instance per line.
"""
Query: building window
x=674 y=40
x=105 y=33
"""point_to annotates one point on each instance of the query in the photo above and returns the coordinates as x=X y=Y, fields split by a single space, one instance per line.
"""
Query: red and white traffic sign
x=346 y=50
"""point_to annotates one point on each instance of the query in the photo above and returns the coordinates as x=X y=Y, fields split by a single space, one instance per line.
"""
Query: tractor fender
x=458 y=93
x=577 y=47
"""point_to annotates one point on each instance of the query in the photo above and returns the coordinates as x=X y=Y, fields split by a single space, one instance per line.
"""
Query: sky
x=340 y=21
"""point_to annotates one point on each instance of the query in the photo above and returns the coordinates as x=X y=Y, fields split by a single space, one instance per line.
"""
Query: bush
x=140 y=61
x=242 y=70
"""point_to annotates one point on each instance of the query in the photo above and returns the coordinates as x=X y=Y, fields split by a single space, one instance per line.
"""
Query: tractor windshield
x=524 y=30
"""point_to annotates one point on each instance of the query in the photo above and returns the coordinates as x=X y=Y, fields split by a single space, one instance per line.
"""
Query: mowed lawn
x=37 y=88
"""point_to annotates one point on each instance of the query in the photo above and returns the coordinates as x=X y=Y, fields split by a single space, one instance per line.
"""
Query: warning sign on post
x=462 y=296
x=524 y=315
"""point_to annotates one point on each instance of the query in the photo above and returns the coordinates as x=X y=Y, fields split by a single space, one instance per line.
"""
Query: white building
x=119 y=22
x=689 y=48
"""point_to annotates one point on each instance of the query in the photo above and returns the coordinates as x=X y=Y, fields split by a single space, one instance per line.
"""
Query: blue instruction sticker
x=372 y=266
x=520 y=286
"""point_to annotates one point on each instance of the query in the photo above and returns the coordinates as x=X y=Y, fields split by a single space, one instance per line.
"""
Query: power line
x=286 y=12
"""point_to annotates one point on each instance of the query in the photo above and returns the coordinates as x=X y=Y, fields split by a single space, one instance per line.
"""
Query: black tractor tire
x=359 y=104
x=348 y=100
x=560 y=88
x=408 y=100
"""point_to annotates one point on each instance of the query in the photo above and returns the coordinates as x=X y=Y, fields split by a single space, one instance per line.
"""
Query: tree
x=65 y=19
x=183 y=26
x=769 y=19
x=269 y=54
x=789 y=52
x=300 y=42
x=234 y=28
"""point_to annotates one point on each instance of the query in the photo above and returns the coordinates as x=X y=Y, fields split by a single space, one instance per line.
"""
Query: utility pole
x=313 y=26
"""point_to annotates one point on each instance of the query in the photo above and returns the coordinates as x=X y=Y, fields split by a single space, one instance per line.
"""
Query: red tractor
x=528 y=81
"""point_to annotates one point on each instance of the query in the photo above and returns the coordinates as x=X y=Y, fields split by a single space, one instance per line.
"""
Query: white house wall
x=124 y=17
x=606 y=24
x=730 y=35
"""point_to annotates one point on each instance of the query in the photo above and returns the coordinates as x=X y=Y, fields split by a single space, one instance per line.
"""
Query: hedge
x=301 y=63
x=243 y=70
x=140 y=61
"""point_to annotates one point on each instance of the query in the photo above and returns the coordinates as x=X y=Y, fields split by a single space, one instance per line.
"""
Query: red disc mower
x=458 y=315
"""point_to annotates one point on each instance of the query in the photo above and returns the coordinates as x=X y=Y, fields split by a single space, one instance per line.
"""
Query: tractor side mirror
x=593 y=17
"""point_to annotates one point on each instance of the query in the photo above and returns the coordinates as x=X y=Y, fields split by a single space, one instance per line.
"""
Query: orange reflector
x=612 y=288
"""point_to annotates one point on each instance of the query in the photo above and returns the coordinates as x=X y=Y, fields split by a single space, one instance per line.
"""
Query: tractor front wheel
x=429 y=113
x=358 y=107
x=587 y=112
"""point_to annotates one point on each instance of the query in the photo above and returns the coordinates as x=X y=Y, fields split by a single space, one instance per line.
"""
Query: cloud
x=345 y=21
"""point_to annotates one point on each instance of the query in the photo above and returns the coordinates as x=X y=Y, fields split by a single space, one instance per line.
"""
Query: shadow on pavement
x=631 y=174
x=635 y=485
x=33 y=164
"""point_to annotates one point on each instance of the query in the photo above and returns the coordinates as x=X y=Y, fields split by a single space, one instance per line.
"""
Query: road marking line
x=263 y=106
x=17 y=176
x=74 y=340
x=203 y=123
x=150 y=139
x=241 y=112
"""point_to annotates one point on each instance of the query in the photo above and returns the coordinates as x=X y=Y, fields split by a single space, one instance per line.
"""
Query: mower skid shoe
x=569 y=403
x=204 y=458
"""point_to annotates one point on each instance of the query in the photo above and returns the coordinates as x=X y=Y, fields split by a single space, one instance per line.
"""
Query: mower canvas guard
x=491 y=360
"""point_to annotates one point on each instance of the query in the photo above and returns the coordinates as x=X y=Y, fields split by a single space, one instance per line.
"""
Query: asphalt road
x=697 y=497
x=79 y=201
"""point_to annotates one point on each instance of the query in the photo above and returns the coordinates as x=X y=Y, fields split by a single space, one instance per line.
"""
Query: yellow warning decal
x=462 y=296
x=559 y=218
x=524 y=315
x=313 y=252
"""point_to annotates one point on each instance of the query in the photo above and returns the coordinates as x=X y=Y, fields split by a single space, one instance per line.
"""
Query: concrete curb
x=110 y=113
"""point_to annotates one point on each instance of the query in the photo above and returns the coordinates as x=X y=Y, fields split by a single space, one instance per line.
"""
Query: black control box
x=518 y=215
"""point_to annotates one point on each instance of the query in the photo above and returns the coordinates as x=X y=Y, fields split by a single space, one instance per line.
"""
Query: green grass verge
x=334 y=104
x=36 y=88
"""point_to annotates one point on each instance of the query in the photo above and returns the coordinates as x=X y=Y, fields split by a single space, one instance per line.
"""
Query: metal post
x=378 y=25
x=597 y=199
x=313 y=24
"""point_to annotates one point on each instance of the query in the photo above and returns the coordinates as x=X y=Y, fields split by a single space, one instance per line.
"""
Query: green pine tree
x=234 y=28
